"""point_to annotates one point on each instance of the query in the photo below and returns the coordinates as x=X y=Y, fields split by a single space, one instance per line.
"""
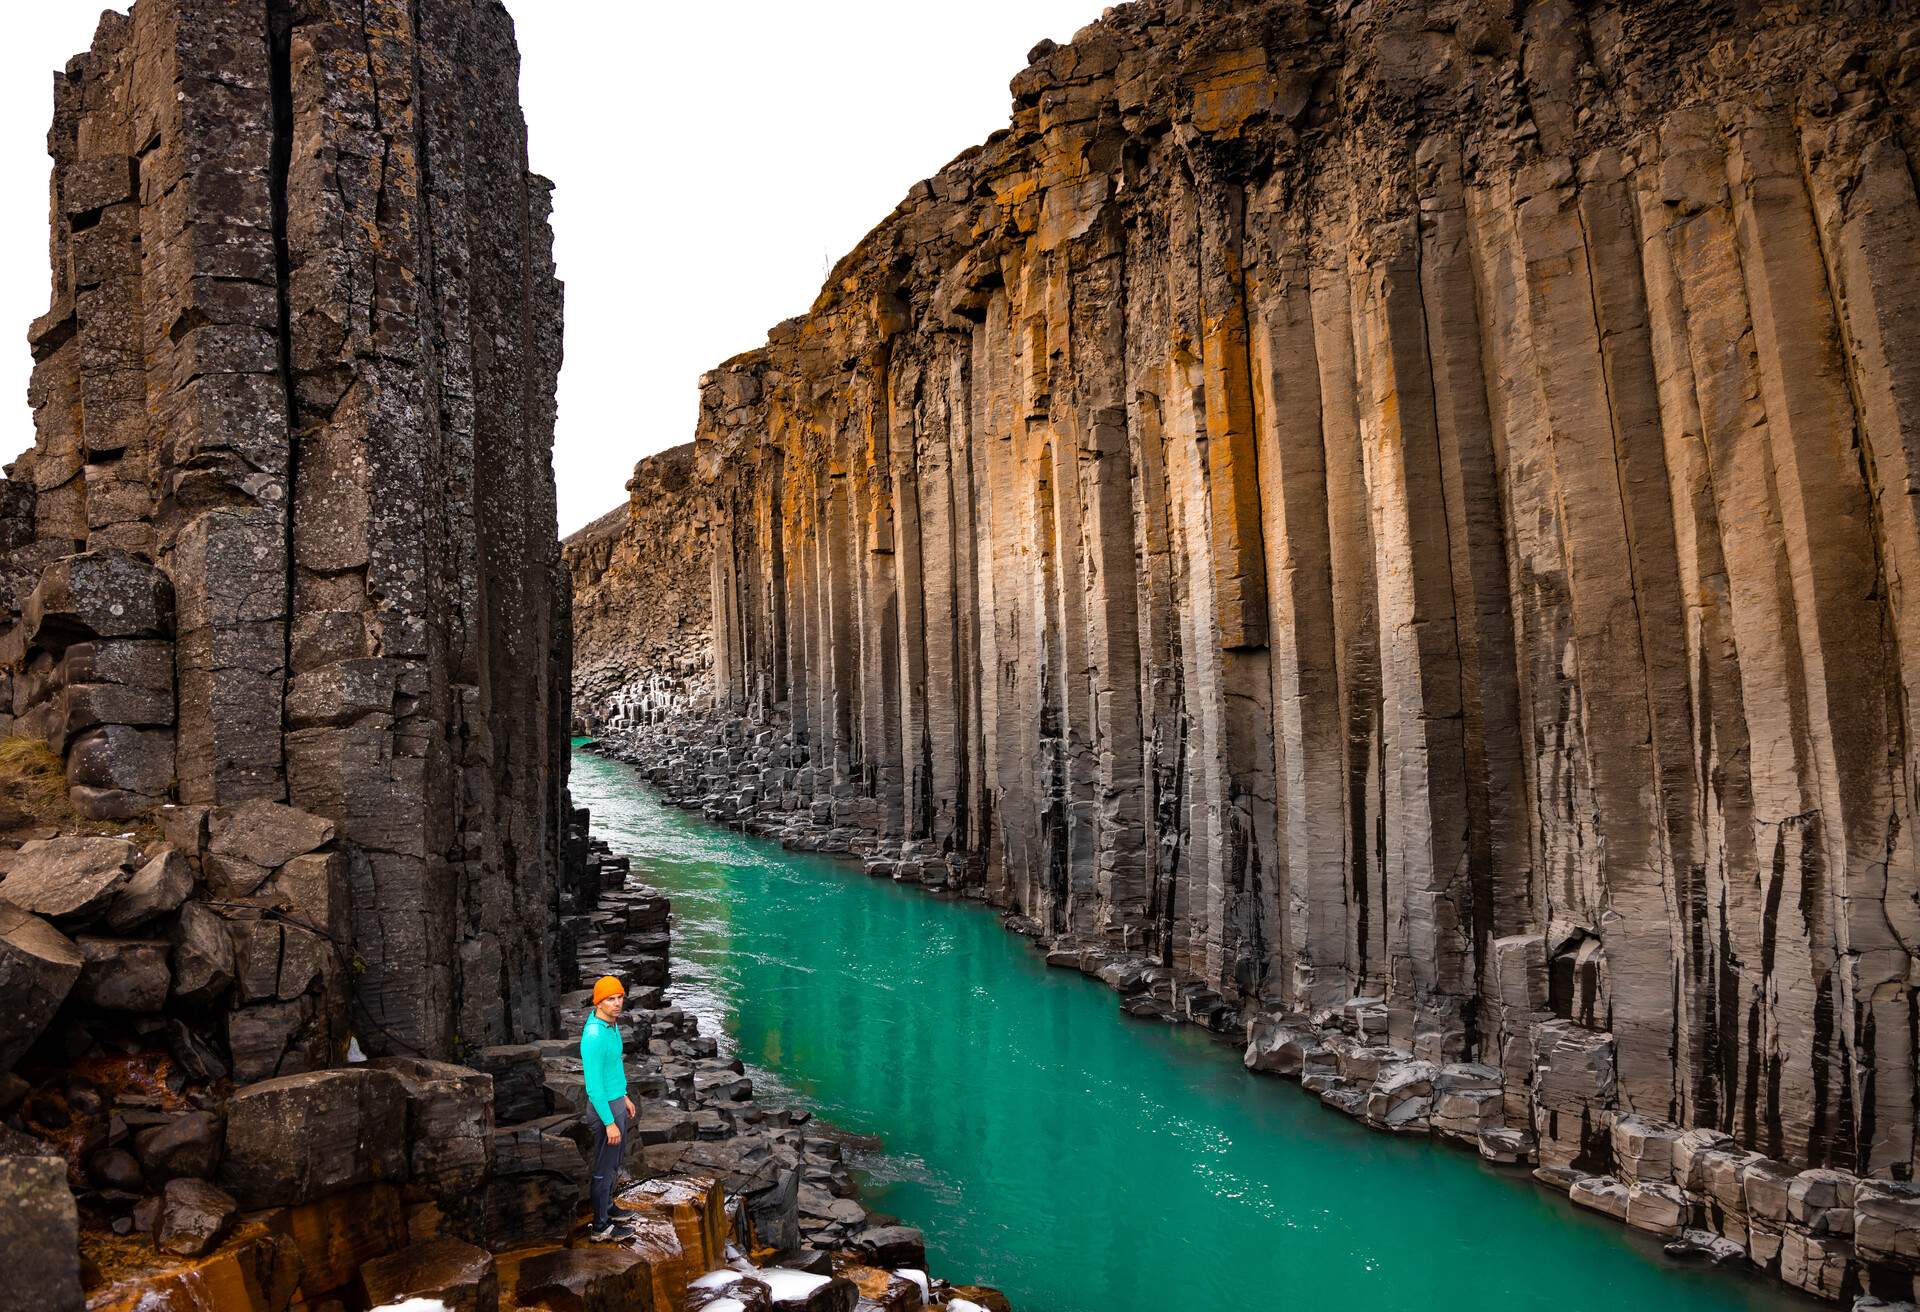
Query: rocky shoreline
x=1547 y=1101
x=297 y=1190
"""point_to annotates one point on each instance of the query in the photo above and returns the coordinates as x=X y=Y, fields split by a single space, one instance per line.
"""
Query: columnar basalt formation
x=1399 y=511
x=642 y=600
x=286 y=531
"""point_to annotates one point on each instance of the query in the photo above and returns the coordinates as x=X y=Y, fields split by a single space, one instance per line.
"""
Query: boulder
x=1643 y=1149
x=1602 y=1193
x=1273 y=1046
x=891 y=1246
x=772 y=1200
x=118 y=758
x=1659 y=1209
x=187 y=1146
x=1886 y=1222
x=69 y=880
x=265 y=834
x=1765 y=1185
x=726 y=1290
x=123 y=974
x=449 y=1123
x=156 y=889
x=38 y=968
x=98 y=594
x=115 y=1168
x=39 y=1234
x=1703 y=1244
x=884 y=1291
x=203 y=956
x=193 y=1215
x=800 y=1291
x=1689 y=1152
x=1820 y=1201
x=299 y=1137
x=455 y=1274
x=604 y=1279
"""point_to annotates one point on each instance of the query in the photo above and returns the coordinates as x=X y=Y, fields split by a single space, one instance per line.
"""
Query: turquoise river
x=1079 y=1159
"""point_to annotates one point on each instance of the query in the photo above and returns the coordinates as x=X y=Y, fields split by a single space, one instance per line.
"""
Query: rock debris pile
x=1389 y=523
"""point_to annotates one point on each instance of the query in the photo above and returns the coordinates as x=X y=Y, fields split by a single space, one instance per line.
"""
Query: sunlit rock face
x=286 y=532
x=643 y=600
x=1396 y=501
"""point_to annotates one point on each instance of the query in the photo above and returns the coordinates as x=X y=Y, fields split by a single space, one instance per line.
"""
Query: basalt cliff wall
x=1391 y=510
x=282 y=557
x=643 y=600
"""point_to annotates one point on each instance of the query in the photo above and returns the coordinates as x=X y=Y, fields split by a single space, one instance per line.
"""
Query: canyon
x=294 y=902
x=1381 y=531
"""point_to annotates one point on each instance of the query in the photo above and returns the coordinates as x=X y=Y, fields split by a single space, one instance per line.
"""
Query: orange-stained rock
x=257 y=1269
x=886 y=1291
x=694 y=1208
x=340 y=1233
x=457 y=1273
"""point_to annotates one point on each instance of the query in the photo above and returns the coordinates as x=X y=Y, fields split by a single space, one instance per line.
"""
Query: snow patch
x=788 y=1285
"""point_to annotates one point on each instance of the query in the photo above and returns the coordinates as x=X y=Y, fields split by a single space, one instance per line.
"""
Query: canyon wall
x=282 y=559
x=1392 y=505
x=643 y=600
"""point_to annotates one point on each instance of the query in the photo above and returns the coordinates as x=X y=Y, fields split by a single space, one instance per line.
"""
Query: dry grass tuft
x=33 y=783
x=33 y=794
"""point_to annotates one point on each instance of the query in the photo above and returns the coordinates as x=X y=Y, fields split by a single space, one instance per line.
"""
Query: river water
x=1079 y=1159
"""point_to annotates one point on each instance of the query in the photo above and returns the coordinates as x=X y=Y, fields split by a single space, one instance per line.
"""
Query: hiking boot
x=610 y=1233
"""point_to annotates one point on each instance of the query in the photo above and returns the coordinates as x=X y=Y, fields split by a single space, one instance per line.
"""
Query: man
x=606 y=1073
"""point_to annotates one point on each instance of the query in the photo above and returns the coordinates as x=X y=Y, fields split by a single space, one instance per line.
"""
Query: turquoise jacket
x=605 y=1071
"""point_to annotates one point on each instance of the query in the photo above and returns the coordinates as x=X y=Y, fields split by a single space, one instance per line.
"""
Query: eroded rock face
x=643 y=601
x=284 y=545
x=1404 y=505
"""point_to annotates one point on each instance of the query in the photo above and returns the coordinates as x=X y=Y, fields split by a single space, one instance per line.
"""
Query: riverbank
x=1550 y=1108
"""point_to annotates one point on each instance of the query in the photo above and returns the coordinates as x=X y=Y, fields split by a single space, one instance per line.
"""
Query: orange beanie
x=606 y=988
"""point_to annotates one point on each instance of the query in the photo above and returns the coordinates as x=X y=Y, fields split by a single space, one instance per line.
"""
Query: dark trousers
x=606 y=1161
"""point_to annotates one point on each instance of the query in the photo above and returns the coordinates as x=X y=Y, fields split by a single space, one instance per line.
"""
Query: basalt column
x=1401 y=515
x=294 y=406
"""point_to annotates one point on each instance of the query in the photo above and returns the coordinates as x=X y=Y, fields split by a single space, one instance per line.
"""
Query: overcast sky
x=712 y=160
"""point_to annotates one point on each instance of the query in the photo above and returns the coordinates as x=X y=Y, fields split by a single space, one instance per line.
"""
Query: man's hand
x=613 y=1132
x=631 y=1109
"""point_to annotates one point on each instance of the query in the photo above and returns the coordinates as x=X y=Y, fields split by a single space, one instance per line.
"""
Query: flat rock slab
x=38 y=968
x=265 y=834
x=300 y=1137
x=70 y=879
x=457 y=1274
x=40 y=1234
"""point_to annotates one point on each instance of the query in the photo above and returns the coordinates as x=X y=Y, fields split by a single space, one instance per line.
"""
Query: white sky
x=712 y=161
